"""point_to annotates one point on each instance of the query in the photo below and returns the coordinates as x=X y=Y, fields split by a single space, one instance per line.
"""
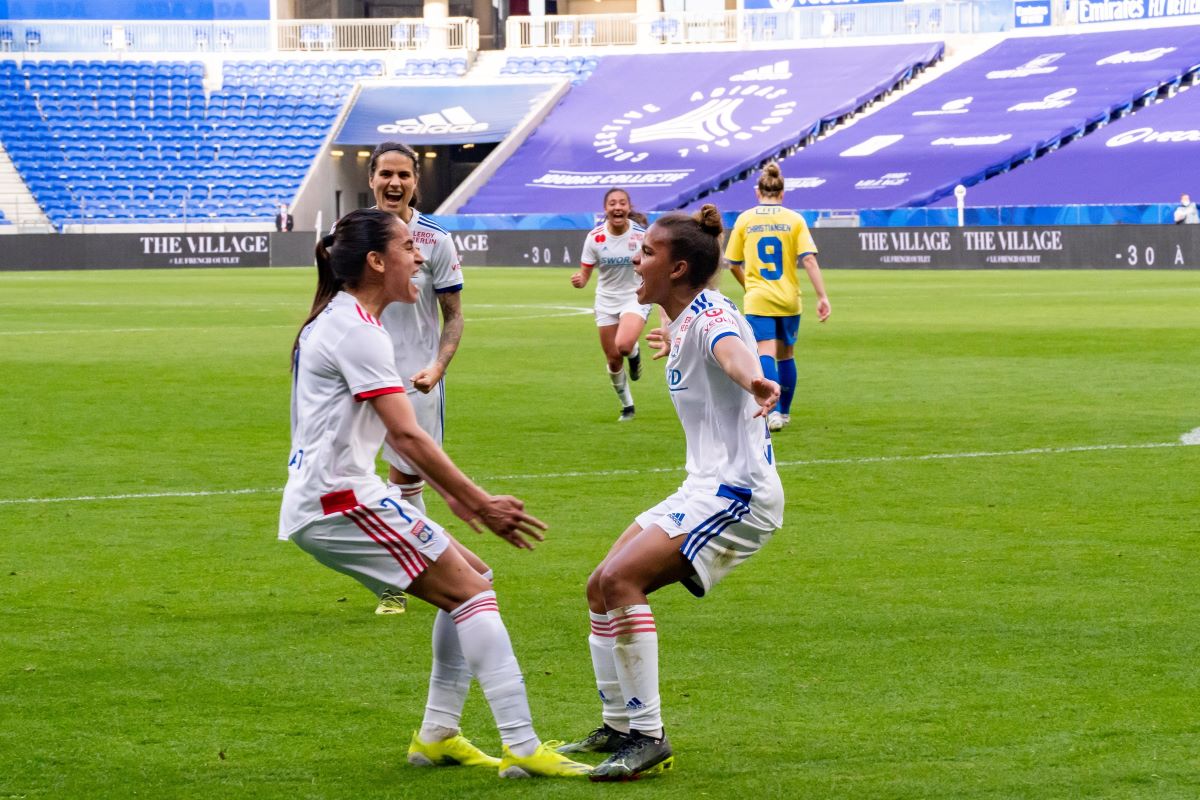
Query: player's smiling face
x=402 y=260
x=394 y=181
x=616 y=209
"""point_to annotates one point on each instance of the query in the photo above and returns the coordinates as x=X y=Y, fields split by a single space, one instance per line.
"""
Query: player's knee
x=613 y=586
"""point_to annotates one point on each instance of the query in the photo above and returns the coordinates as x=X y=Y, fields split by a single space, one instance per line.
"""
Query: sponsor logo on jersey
x=1129 y=57
x=1036 y=66
x=971 y=141
x=449 y=120
x=714 y=312
x=1150 y=135
x=890 y=179
x=958 y=106
x=1053 y=100
x=600 y=238
x=802 y=183
x=871 y=146
x=737 y=109
x=424 y=237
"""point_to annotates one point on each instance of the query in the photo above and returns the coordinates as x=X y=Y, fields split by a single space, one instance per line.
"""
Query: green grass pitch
x=987 y=586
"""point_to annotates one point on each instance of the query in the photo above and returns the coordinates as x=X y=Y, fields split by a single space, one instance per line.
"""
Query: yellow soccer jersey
x=769 y=240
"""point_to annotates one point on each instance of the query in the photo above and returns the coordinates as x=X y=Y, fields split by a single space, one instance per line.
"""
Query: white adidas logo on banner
x=449 y=120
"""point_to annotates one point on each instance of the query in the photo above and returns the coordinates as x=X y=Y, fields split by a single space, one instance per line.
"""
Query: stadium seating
x=577 y=68
x=117 y=141
x=433 y=67
x=1013 y=103
x=698 y=119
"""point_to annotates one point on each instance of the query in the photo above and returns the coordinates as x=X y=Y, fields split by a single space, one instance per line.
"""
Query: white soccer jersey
x=345 y=357
x=415 y=328
x=612 y=256
x=726 y=443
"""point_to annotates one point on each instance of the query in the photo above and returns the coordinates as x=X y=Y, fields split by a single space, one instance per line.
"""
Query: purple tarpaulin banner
x=1147 y=157
x=1015 y=99
x=667 y=126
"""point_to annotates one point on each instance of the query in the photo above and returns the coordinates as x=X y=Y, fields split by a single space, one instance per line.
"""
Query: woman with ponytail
x=764 y=248
x=347 y=398
x=728 y=507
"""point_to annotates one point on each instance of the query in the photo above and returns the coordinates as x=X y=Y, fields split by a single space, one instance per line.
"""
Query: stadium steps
x=957 y=52
x=16 y=202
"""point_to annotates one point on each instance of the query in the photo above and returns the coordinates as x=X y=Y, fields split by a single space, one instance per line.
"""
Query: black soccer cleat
x=626 y=414
x=641 y=755
x=605 y=739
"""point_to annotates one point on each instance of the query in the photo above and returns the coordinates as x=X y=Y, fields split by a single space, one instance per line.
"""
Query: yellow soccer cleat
x=452 y=752
x=544 y=763
x=392 y=601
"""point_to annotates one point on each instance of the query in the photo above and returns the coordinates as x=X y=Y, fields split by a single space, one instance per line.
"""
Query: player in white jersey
x=728 y=507
x=620 y=316
x=424 y=344
x=347 y=397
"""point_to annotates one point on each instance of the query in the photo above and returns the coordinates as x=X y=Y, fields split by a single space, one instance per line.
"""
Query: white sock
x=412 y=492
x=635 y=652
x=489 y=654
x=621 y=386
x=449 y=680
x=600 y=642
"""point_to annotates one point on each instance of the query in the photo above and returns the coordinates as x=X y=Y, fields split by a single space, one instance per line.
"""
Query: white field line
x=558 y=311
x=1192 y=438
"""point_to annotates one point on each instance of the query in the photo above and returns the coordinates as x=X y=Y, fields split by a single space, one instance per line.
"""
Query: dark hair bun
x=709 y=219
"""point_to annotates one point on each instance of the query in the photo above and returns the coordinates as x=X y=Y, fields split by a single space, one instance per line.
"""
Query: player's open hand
x=579 y=280
x=766 y=392
x=506 y=517
x=660 y=341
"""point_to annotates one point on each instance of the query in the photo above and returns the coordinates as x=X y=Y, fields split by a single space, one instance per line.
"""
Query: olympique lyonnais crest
x=748 y=104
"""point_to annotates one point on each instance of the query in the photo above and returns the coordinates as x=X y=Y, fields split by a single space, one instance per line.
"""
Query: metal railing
x=33 y=36
x=743 y=27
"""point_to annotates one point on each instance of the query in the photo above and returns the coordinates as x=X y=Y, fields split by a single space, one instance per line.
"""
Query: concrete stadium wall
x=1066 y=247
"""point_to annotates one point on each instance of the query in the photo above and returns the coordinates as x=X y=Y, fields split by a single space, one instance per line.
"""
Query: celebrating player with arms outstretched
x=726 y=510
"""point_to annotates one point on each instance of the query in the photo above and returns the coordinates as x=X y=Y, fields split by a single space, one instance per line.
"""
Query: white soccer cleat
x=775 y=421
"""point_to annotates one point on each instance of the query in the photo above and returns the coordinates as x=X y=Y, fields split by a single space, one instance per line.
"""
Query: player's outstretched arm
x=502 y=514
x=742 y=366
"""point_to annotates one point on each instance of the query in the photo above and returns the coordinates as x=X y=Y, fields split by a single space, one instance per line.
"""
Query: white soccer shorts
x=611 y=315
x=382 y=545
x=719 y=530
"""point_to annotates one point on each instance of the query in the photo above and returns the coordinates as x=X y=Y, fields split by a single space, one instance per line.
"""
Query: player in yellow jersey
x=764 y=249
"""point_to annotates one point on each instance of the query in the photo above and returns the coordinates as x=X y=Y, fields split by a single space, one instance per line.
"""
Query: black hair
x=342 y=256
x=402 y=149
x=695 y=239
x=622 y=191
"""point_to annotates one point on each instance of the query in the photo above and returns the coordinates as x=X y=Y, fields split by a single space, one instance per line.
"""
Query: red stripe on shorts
x=334 y=502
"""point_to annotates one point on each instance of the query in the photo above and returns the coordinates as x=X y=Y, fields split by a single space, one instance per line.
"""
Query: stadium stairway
x=17 y=205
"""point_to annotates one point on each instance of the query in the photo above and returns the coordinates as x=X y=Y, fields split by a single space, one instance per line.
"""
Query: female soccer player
x=347 y=397
x=620 y=317
x=769 y=239
x=725 y=511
